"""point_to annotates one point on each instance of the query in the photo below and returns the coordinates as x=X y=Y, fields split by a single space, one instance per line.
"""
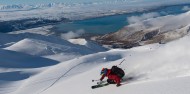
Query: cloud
x=164 y=23
x=137 y=19
x=72 y=34
x=186 y=8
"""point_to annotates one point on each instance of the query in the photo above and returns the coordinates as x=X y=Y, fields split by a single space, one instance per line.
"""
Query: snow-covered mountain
x=7 y=7
x=23 y=16
x=47 y=46
x=167 y=71
x=35 y=61
x=25 y=7
x=152 y=30
x=79 y=10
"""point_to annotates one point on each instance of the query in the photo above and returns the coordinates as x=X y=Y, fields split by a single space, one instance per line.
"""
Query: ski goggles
x=103 y=72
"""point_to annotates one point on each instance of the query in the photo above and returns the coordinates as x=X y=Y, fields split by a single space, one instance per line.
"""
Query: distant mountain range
x=26 y=7
x=20 y=17
x=153 y=30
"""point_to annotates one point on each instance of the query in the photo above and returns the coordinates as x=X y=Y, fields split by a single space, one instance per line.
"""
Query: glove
x=100 y=82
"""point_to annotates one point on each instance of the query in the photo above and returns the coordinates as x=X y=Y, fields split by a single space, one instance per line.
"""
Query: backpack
x=117 y=71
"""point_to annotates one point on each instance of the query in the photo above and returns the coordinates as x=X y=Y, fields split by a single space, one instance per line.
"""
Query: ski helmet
x=104 y=71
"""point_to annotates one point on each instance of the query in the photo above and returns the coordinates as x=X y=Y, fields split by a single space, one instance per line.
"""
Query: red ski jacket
x=111 y=76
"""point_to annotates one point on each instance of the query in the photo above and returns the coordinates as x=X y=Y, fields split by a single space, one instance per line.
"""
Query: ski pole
x=122 y=62
x=95 y=80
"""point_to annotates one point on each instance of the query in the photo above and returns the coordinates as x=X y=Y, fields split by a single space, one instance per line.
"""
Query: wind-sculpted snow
x=16 y=37
x=43 y=48
x=23 y=66
x=61 y=52
x=70 y=65
x=47 y=46
x=151 y=67
x=66 y=70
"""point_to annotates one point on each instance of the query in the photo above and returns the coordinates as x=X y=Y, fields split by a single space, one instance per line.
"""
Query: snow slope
x=39 y=63
x=49 y=50
x=73 y=64
x=16 y=67
x=43 y=48
x=166 y=72
x=11 y=59
x=23 y=57
x=152 y=69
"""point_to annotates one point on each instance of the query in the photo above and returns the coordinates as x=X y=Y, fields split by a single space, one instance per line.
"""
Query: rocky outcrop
x=128 y=37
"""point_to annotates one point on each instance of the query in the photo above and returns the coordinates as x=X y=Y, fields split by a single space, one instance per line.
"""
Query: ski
x=99 y=85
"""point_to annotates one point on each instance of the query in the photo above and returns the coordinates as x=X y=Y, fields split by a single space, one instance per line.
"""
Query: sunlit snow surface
x=164 y=68
x=38 y=63
x=33 y=63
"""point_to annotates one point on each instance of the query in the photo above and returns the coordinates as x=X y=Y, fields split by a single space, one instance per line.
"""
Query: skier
x=113 y=78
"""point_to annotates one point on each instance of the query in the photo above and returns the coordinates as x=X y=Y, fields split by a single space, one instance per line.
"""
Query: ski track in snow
x=131 y=66
x=38 y=63
x=139 y=68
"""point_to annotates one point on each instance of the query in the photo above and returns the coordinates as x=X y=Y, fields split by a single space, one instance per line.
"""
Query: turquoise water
x=108 y=24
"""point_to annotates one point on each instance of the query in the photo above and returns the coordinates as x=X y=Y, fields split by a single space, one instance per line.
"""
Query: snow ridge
x=35 y=62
